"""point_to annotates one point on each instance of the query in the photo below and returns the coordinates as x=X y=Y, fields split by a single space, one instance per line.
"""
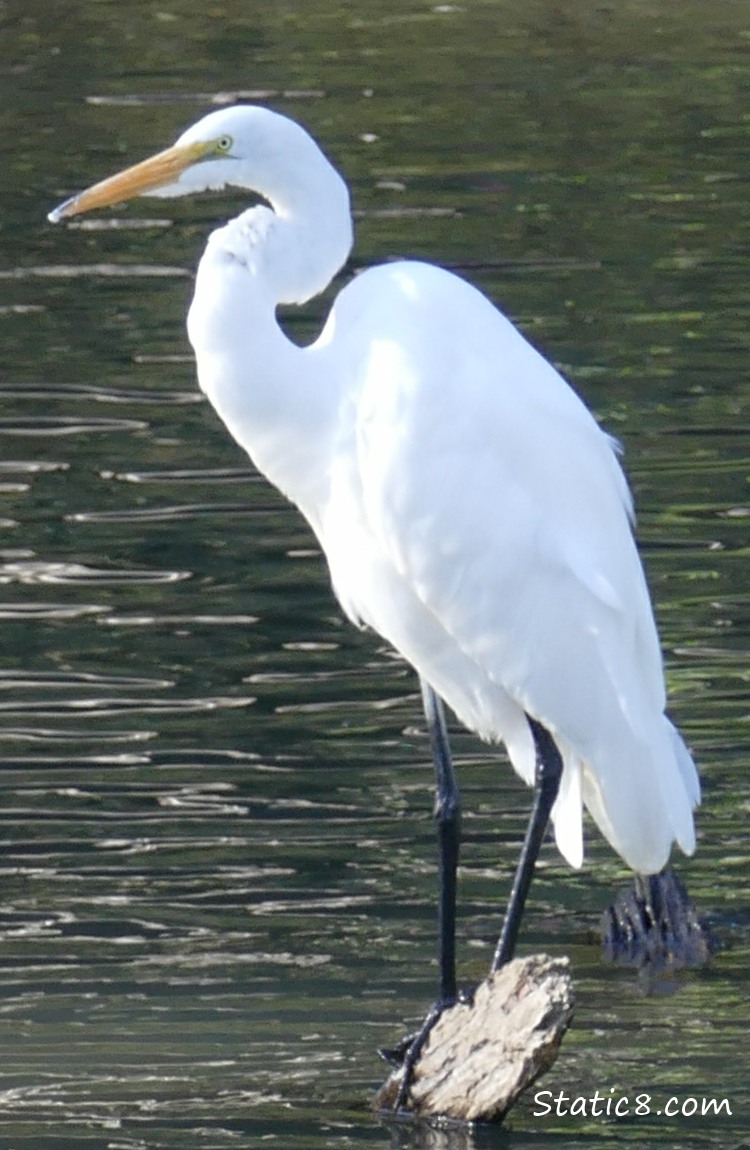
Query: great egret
x=471 y=510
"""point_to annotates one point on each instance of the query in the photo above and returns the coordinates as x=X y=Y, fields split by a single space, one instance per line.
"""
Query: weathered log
x=481 y=1055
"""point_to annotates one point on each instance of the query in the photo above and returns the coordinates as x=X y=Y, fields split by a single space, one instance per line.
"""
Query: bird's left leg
x=549 y=768
x=448 y=820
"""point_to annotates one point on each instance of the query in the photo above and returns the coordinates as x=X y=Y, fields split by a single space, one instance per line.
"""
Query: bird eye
x=224 y=144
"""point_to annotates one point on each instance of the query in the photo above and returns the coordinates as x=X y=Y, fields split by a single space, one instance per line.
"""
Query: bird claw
x=654 y=927
x=395 y=1055
x=404 y=1055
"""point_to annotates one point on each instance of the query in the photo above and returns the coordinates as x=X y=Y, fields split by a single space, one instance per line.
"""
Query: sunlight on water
x=217 y=868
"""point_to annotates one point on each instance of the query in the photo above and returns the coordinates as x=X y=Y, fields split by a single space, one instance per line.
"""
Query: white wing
x=478 y=519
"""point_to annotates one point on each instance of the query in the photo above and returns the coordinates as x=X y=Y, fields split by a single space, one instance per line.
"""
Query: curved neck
x=276 y=398
x=296 y=247
x=311 y=234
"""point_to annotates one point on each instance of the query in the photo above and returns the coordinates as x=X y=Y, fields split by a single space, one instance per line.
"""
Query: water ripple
x=49 y=611
x=81 y=271
x=194 y=619
x=185 y=475
x=99 y=393
x=230 y=96
x=34 y=572
x=65 y=680
x=159 y=514
x=109 y=707
x=56 y=425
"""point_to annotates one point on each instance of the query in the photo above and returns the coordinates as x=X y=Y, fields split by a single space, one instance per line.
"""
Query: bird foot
x=395 y=1055
x=405 y=1054
x=654 y=927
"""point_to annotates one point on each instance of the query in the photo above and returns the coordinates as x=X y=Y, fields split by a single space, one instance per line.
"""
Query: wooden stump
x=480 y=1056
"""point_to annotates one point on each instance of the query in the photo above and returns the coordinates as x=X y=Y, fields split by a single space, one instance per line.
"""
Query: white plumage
x=471 y=510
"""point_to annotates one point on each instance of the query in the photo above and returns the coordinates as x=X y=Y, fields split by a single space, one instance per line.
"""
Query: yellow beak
x=156 y=172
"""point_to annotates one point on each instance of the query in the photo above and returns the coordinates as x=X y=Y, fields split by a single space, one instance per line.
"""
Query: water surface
x=217 y=878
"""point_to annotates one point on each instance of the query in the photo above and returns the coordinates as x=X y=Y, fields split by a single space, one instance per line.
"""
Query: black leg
x=548 y=774
x=448 y=820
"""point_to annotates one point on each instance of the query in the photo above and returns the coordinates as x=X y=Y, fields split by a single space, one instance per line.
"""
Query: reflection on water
x=217 y=868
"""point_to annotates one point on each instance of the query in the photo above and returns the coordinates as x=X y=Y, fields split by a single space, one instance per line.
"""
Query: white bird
x=471 y=510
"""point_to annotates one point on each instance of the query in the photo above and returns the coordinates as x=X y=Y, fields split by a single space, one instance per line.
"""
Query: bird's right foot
x=405 y=1055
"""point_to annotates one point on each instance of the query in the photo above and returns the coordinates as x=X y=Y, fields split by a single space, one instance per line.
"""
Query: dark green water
x=217 y=879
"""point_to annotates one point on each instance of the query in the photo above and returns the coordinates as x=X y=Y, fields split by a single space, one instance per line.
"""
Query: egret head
x=243 y=146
